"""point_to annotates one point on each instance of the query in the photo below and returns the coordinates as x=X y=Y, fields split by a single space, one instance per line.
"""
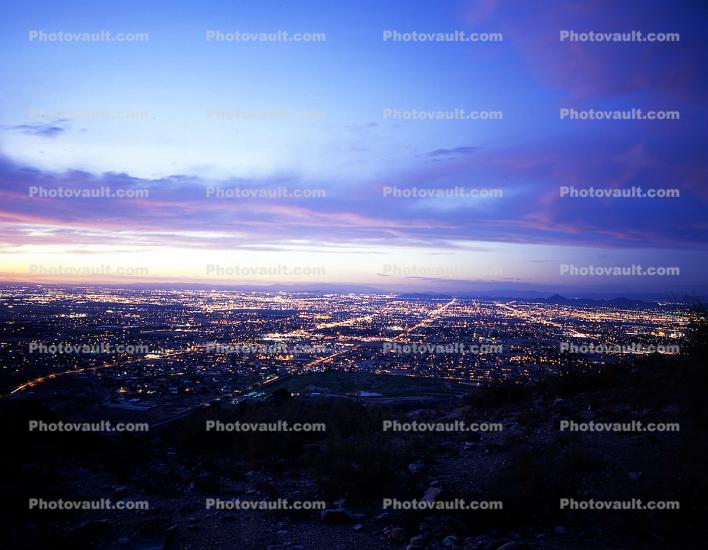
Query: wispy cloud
x=42 y=129
x=453 y=152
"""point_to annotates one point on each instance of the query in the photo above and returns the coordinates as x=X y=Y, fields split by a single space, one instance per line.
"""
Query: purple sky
x=181 y=116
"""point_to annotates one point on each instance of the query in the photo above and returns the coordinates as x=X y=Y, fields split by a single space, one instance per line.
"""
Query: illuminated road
x=525 y=315
x=424 y=322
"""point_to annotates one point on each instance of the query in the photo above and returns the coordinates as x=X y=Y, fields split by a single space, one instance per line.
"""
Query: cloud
x=673 y=71
x=177 y=212
x=452 y=152
x=46 y=130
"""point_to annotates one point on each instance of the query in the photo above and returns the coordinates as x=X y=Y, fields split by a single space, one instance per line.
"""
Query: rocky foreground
x=530 y=465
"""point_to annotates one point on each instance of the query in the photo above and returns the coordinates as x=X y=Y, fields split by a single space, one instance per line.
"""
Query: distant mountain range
x=556 y=299
x=615 y=302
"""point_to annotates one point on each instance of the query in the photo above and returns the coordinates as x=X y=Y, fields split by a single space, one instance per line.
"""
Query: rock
x=90 y=529
x=336 y=516
x=120 y=490
x=477 y=543
x=383 y=516
x=450 y=541
x=415 y=543
x=635 y=476
x=431 y=494
x=513 y=545
x=416 y=467
x=358 y=527
x=472 y=438
x=397 y=534
x=188 y=508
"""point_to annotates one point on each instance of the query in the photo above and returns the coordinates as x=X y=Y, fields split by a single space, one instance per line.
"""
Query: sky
x=195 y=132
